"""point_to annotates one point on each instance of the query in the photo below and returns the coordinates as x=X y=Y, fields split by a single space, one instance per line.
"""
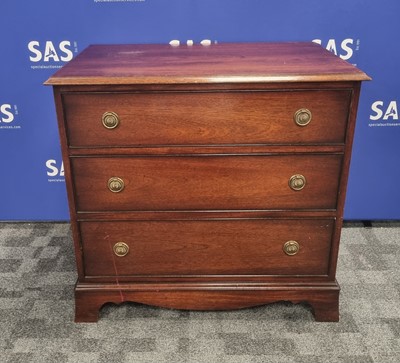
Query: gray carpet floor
x=37 y=274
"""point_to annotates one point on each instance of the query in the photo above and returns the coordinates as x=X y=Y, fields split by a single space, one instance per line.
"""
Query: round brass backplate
x=302 y=117
x=297 y=182
x=291 y=248
x=110 y=120
x=121 y=249
x=115 y=184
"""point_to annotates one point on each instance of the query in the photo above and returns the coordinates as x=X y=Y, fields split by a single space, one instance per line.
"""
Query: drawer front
x=205 y=182
x=206 y=247
x=206 y=118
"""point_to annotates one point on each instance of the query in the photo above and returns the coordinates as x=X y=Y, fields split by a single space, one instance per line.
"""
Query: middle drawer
x=206 y=182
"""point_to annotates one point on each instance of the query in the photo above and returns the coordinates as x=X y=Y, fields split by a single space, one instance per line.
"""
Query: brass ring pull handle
x=121 y=249
x=110 y=120
x=115 y=184
x=297 y=182
x=291 y=248
x=302 y=117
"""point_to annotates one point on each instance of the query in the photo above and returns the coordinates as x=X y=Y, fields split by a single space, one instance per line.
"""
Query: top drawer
x=206 y=118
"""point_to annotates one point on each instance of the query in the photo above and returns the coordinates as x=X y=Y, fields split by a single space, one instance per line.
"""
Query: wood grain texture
x=239 y=247
x=323 y=297
x=212 y=182
x=206 y=118
x=206 y=146
x=154 y=150
x=217 y=63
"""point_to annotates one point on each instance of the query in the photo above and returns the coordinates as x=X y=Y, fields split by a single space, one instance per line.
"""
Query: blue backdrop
x=38 y=36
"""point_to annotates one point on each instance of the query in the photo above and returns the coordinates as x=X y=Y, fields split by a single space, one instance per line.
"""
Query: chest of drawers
x=206 y=177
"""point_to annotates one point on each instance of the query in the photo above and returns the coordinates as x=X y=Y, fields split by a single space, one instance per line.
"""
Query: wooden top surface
x=216 y=63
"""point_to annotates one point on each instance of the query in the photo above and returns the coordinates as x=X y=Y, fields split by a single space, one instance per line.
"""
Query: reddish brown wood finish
x=206 y=182
x=206 y=146
x=204 y=118
x=228 y=247
x=322 y=298
x=218 y=63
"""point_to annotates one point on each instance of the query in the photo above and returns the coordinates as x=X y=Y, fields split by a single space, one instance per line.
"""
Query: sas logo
x=8 y=114
x=384 y=111
x=48 y=54
x=190 y=42
x=55 y=170
x=344 y=49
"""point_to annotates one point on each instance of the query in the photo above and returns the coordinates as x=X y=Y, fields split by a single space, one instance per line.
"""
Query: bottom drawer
x=207 y=247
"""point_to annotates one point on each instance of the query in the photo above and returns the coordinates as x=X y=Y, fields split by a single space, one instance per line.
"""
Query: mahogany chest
x=206 y=177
